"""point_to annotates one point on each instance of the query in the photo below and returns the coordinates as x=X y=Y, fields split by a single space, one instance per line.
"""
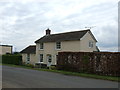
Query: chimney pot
x=48 y=31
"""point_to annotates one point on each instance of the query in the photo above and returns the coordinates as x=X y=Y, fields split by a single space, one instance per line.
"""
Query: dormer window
x=41 y=46
x=58 y=45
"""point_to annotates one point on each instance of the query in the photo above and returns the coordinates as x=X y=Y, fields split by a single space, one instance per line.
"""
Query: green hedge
x=12 y=59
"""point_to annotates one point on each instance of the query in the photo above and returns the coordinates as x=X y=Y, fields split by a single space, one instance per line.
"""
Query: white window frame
x=91 y=44
x=28 y=57
x=58 y=45
x=41 y=46
x=41 y=56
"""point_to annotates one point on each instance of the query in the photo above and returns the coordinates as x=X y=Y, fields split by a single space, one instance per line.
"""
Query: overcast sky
x=24 y=21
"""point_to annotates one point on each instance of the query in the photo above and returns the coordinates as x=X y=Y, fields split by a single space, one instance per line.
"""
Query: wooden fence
x=102 y=63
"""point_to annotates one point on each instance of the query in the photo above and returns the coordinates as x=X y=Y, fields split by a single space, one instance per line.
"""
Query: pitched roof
x=29 y=50
x=68 y=36
x=6 y=45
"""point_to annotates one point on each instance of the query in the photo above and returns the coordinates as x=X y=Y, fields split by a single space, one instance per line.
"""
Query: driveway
x=25 y=78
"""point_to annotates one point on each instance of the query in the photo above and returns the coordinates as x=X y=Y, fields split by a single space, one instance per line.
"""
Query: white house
x=48 y=46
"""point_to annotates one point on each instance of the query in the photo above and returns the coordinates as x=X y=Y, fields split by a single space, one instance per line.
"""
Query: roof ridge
x=31 y=45
x=70 y=32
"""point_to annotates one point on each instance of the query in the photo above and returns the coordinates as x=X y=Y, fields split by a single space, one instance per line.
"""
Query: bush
x=12 y=59
x=53 y=67
x=85 y=60
x=40 y=65
x=29 y=65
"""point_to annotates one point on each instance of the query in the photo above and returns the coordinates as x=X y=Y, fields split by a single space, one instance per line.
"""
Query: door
x=49 y=60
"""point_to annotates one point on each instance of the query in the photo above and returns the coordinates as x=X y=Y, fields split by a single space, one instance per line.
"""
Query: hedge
x=101 y=63
x=12 y=59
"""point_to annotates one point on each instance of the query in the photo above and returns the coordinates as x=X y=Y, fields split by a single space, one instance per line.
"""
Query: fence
x=102 y=63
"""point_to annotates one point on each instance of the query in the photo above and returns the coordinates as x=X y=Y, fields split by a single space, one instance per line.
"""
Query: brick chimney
x=48 y=31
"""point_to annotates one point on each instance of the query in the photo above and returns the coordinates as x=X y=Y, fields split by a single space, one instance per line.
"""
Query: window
x=90 y=44
x=58 y=45
x=41 y=57
x=41 y=45
x=28 y=57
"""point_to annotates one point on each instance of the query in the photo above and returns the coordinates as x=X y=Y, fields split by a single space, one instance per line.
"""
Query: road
x=25 y=78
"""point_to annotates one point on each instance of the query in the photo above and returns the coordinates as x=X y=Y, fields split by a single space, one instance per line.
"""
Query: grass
x=111 y=78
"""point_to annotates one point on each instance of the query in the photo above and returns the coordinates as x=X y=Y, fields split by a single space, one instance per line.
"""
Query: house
x=48 y=46
x=29 y=55
x=5 y=49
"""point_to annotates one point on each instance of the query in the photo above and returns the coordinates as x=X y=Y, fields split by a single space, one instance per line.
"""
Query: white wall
x=5 y=49
x=84 y=43
x=32 y=59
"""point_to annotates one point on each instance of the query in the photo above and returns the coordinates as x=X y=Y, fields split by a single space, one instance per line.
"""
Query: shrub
x=29 y=65
x=12 y=59
x=40 y=65
x=53 y=67
x=85 y=59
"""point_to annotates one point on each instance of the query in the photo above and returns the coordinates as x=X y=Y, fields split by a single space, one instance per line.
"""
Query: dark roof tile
x=29 y=50
x=68 y=36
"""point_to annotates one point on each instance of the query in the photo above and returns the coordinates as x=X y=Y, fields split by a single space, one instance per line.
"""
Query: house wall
x=73 y=46
x=5 y=49
x=84 y=43
x=32 y=59
x=24 y=58
x=50 y=48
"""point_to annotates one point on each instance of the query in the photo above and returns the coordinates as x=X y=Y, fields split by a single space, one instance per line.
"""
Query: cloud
x=26 y=21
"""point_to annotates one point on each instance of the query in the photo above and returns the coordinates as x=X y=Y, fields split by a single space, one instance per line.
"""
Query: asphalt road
x=25 y=78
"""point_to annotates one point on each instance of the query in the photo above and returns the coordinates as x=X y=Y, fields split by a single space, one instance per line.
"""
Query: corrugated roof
x=29 y=50
x=68 y=36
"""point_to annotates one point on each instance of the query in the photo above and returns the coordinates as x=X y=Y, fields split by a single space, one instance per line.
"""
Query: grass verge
x=110 y=78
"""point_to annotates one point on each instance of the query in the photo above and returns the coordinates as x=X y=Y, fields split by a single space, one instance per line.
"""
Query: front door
x=49 y=60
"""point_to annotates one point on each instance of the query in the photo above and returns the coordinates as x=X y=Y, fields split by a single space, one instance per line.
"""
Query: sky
x=22 y=22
